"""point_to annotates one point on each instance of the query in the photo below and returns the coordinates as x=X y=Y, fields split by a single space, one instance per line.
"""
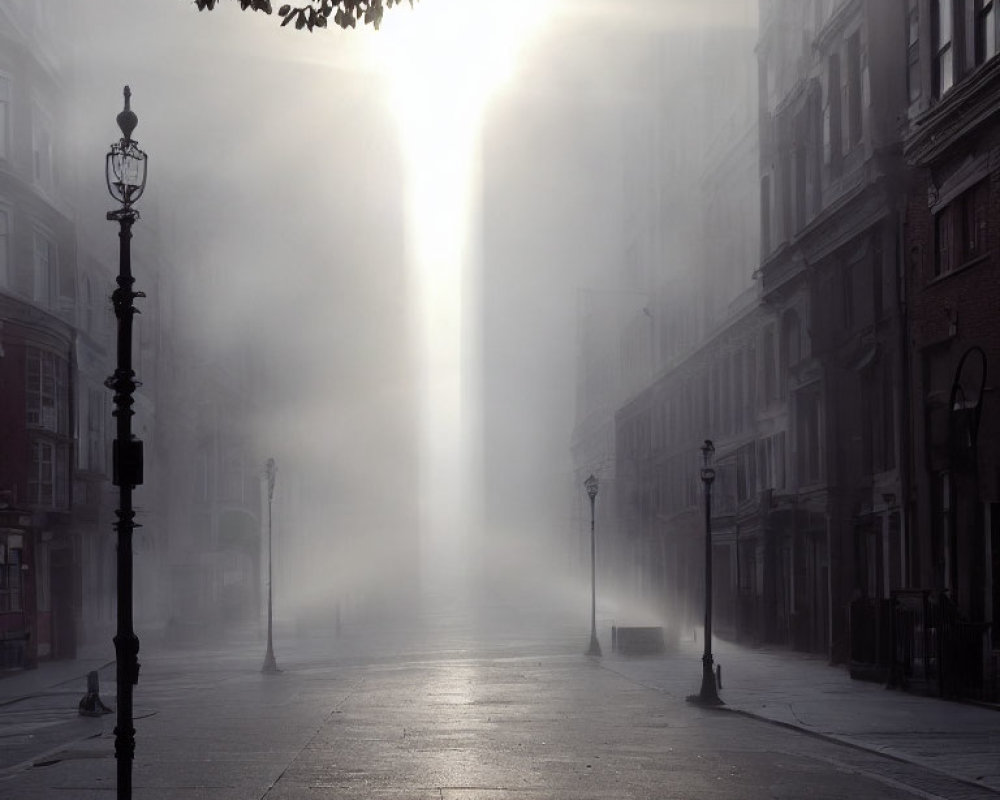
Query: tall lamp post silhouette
x=125 y=172
x=270 y=665
x=595 y=646
x=709 y=695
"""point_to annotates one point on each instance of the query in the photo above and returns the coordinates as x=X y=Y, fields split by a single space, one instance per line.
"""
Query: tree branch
x=316 y=13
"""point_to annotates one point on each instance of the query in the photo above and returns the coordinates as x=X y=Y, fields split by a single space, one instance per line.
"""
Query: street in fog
x=437 y=711
x=487 y=701
x=441 y=349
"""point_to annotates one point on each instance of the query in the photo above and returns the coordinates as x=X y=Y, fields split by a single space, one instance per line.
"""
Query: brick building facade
x=952 y=231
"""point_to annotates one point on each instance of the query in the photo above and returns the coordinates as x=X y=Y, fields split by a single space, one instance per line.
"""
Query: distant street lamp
x=125 y=171
x=595 y=646
x=270 y=665
x=709 y=694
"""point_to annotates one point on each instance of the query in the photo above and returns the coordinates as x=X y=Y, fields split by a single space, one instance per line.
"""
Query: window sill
x=959 y=269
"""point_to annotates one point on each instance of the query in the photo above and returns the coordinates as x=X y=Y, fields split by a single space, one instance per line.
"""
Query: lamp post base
x=595 y=646
x=709 y=695
x=270 y=665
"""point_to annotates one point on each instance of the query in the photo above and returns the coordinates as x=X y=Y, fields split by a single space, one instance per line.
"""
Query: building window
x=41 y=140
x=975 y=205
x=46 y=390
x=791 y=339
x=44 y=268
x=746 y=472
x=944 y=58
x=800 y=183
x=42 y=478
x=809 y=441
x=765 y=215
x=831 y=115
x=913 y=49
x=96 y=420
x=10 y=577
x=885 y=443
x=770 y=376
x=986 y=32
x=741 y=418
x=960 y=230
x=4 y=249
x=778 y=450
x=5 y=117
x=48 y=478
x=853 y=87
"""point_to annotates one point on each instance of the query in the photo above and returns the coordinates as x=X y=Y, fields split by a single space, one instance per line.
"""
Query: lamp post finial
x=126 y=119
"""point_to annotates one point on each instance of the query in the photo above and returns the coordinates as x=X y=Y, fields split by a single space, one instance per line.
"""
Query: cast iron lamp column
x=270 y=665
x=595 y=646
x=709 y=695
x=125 y=172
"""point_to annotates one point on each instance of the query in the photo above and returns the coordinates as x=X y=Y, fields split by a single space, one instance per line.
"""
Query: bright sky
x=444 y=60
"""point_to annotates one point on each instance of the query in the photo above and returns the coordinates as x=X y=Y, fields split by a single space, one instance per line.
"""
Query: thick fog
x=387 y=238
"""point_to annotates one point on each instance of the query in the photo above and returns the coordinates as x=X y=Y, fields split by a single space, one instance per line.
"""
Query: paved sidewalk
x=804 y=692
x=58 y=677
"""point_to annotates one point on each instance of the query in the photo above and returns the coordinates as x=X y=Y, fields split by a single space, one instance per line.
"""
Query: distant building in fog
x=57 y=347
x=46 y=491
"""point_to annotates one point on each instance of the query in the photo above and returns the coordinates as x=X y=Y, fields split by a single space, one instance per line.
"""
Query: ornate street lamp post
x=595 y=646
x=965 y=408
x=125 y=171
x=709 y=694
x=270 y=665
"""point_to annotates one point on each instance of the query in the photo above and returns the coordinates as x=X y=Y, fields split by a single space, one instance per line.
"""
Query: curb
x=847 y=742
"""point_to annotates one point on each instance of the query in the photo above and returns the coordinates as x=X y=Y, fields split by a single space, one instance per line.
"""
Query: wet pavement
x=438 y=713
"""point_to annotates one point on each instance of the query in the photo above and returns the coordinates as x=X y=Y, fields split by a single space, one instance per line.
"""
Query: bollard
x=614 y=638
x=91 y=704
x=718 y=676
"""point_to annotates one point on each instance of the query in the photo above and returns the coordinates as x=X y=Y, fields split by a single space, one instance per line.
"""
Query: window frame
x=941 y=48
x=44 y=292
x=961 y=230
x=985 y=30
x=913 y=84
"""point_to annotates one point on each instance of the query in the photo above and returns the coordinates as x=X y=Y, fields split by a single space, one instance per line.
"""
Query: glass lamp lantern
x=125 y=164
x=707 y=456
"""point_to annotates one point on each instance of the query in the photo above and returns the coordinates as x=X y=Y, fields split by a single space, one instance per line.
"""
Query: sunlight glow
x=444 y=60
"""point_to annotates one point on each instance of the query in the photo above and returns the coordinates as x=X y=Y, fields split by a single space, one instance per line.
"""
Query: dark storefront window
x=10 y=578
